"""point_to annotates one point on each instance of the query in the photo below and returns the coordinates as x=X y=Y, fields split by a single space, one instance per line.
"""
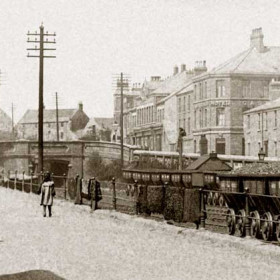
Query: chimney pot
x=183 y=67
x=176 y=70
x=81 y=106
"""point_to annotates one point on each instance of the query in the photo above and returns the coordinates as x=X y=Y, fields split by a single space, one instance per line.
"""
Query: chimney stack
x=81 y=106
x=183 y=67
x=176 y=70
x=200 y=67
x=256 y=39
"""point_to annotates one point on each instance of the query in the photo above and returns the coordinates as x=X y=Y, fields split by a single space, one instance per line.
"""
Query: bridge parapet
x=20 y=154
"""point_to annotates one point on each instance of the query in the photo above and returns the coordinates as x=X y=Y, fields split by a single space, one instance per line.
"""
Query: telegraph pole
x=57 y=123
x=43 y=39
x=122 y=84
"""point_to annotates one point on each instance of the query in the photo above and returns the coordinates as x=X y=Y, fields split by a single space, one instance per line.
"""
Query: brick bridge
x=20 y=155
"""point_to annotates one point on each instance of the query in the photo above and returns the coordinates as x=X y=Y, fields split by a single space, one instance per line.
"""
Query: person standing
x=47 y=194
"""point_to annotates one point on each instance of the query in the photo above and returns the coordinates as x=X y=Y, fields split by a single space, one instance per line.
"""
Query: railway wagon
x=252 y=195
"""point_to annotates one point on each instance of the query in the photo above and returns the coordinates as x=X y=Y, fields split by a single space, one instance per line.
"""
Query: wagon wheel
x=210 y=198
x=240 y=223
x=277 y=229
x=221 y=200
x=267 y=227
x=231 y=221
x=255 y=224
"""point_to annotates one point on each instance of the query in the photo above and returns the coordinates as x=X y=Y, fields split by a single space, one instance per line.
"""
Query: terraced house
x=209 y=105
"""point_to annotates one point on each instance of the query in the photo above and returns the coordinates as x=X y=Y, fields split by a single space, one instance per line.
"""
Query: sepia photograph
x=139 y=140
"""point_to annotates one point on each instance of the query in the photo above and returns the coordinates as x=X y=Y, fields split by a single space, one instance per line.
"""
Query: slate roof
x=173 y=83
x=105 y=123
x=265 y=107
x=213 y=164
x=252 y=61
x=31 y=116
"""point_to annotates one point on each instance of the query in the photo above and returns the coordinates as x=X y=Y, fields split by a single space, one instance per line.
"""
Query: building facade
x=261 y=127
x=209 y=105
x=71 y=123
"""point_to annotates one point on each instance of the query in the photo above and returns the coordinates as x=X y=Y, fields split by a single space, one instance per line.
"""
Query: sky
x=98 y=39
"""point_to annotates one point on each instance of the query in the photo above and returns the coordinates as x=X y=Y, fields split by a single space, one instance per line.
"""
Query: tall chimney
x=81 y=106
x=183 y=67
x=176 y=70
x=256 y=39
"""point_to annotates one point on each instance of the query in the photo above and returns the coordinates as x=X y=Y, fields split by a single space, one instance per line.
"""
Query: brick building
x=71 y=122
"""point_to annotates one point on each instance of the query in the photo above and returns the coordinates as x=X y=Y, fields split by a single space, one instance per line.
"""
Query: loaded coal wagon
x=175 y=194
x=252 y=195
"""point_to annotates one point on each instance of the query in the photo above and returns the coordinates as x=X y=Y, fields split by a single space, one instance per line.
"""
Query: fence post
x=9 y=173
x=3 y=174
x=247 y=213
x=114 y=194
x=22 y=185
x=202 y=209
x=136 y=191
x=31 y=182
x=15 y=181
x=65 y=187
x=92 y=192
x=78 y=199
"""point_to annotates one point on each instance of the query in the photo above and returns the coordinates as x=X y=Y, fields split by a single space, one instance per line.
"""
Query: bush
x=96 y=167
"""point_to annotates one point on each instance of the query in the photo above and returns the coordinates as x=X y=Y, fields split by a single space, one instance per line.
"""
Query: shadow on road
x=32 y=275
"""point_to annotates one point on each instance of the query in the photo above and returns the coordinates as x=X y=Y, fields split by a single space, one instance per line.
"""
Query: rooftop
x=31 y=116
x=265 y=107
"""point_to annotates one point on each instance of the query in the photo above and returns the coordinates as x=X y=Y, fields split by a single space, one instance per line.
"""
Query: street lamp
x=182 y=133
x=261 y=155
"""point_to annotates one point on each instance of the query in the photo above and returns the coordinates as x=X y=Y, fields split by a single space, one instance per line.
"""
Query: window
x=200 y=91
x=189 y=102
x=179 y=105
x=220 y=114
x=220 y=88
x=36 y=125
x=275 y=118
x=275 y=148
x=195 y=91
x=49 y=125
x=266 y=121
x=200 y=118
x=246 y=89
x=194 y=122
x=189 y=125
x=184 y=123
x=248 y=122
x=62 y=124
x=205 y=117
x=259 y=121
x=265 y=91
x=184 y=104
x=194 y=146
x=61 y=135
x=249 y=149
x=205 y=90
